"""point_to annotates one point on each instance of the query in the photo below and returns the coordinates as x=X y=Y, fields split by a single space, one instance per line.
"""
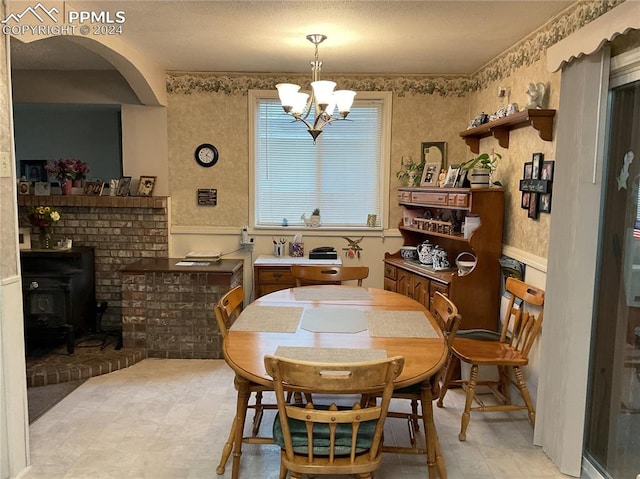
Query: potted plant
x=315 y=217
x=67 y=171
x=481 y=168
x=410 y=173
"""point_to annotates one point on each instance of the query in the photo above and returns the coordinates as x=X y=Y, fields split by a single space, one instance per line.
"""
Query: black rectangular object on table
x=323 y=255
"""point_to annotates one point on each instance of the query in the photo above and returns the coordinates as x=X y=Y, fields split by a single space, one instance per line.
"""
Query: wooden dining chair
x=520 y=328
x=448 y=318
x=318 y=274
x=227 y=310
x=326 y=439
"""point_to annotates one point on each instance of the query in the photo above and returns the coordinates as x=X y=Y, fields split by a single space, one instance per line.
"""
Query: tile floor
x=170 y=418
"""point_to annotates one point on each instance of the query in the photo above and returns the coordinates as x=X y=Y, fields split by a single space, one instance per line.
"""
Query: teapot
x=425 y=255
x=439 y=258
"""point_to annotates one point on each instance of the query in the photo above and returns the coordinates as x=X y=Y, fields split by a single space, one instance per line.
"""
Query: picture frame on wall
x=435 y=152
x=536 y=161
x=124 y=184
x=547 y=170
x=33 y=170
x=533 y=206
x=430 y=174
x=526 y=196
x=545 y=203
x=145 y=185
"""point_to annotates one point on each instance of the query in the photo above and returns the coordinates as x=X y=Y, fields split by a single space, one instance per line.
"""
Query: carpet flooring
x=41 y=399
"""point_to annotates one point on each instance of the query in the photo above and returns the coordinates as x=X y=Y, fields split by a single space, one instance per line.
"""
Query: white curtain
x=571 y=270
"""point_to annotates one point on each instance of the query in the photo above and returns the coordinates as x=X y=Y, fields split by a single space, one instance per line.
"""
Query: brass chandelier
x=323 y=100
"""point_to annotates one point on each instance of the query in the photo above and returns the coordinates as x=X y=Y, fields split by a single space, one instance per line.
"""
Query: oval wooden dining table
x=286 y=322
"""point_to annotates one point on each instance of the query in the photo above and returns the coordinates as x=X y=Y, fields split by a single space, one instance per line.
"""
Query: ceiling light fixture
x=323 y=99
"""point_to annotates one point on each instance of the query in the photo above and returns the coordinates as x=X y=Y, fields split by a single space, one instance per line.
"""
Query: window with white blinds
x=342 y=174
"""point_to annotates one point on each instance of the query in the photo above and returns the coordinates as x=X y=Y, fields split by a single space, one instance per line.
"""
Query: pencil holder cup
x=278 y=249
x=296 y=250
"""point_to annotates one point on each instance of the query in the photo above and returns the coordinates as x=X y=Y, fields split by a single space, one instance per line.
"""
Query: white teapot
x=425 y=255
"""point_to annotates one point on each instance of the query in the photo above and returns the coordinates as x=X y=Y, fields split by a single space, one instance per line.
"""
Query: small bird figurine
x=354 y=247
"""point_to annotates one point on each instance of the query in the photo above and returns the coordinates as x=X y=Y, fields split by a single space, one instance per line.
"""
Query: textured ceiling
x=421 y=37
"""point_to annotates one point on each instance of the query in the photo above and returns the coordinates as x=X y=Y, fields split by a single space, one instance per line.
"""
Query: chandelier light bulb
x=323 y=100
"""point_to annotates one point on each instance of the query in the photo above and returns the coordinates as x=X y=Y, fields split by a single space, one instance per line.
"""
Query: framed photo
x=145 y=185
x=452 y=174
x=33 y=170
x=42 y=188
x=24 y=187
x=93 y=188
x=533 y=206
x=462 y=177
x=430 y=174
x=536 y=165
x=24 y=238
x=434 y=152
x=124 y=184
x=526 y=196
x=547 y=170
x=545 y=203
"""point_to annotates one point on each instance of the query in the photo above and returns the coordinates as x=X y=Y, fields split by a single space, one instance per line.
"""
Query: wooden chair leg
x=257 y=418
x=448 y=376
x=522 y=385
x=471 y=391
x=414 y=415
x=283 y=471
x=226 y=450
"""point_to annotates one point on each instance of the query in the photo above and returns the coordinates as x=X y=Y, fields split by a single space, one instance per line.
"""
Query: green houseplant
x=481 y=167
x=410 y=173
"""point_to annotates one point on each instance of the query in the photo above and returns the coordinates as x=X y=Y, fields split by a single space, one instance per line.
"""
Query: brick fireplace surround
x=122 y=230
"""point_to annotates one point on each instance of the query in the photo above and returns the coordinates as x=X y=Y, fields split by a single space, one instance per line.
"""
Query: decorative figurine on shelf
x=624 y=171
x=442 y=177
x=536 y=92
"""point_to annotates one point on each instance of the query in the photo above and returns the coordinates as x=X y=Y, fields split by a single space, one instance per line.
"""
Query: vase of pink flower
x=69 y=172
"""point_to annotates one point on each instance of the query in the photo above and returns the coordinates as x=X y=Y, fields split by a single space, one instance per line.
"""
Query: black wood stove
x=59 y=298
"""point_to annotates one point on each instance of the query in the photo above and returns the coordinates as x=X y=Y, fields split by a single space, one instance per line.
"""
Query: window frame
x=255 y=96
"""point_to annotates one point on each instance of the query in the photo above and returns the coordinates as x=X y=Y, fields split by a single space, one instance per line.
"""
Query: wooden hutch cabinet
x=476 y=294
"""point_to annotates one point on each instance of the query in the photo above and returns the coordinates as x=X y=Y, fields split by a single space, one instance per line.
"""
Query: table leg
x=241 y=413
x=435 y=461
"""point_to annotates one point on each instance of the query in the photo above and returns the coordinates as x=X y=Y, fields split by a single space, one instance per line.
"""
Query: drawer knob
x=277 y=275
x=34 y=285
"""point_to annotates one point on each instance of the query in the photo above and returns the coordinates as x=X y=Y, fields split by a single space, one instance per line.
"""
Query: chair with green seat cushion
x=320 y=439
x=321 y=435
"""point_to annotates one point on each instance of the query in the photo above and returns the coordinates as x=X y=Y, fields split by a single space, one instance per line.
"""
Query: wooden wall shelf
x=541 y=120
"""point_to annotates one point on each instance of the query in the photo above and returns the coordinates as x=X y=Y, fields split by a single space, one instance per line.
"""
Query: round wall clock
x=206 y=155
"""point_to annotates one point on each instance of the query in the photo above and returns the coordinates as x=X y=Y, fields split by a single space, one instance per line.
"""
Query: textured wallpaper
x=212 y=108
x=8 y=263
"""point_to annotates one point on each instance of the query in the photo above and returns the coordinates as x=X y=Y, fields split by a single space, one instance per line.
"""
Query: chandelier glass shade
x=323 y=100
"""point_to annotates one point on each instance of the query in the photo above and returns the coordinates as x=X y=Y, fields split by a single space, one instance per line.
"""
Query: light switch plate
x=5 y=164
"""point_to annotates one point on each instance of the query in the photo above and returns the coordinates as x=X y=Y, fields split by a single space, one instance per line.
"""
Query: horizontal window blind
x=340 y=174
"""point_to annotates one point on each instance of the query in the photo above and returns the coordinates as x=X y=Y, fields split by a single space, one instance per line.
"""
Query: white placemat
x=333 y=320
x=340 y=293
x=271 y=319
x=399 y=324
x=330 y=355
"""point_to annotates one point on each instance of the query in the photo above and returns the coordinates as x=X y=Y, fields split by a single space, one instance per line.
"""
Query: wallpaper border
x=528 y=51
